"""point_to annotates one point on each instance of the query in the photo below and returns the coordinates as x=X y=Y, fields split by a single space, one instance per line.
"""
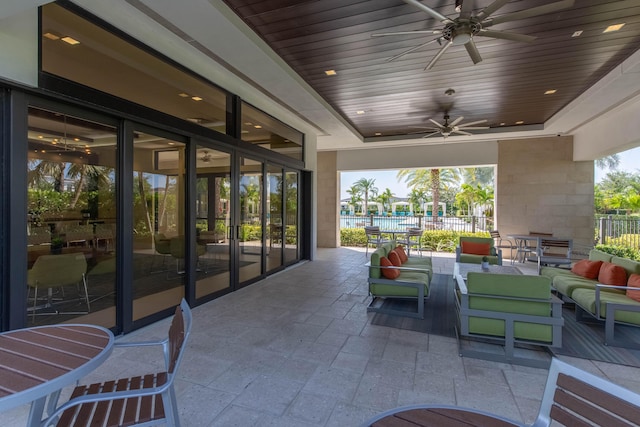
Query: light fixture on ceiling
x=458 y=7
x=330 y=72
x=576 y=33
x=614 y=27
x=519 y=122
x=550 y=91
x=70 y=40
x=360 y=112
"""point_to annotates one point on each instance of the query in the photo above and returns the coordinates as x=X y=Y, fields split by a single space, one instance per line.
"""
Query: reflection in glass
x=213 y=220
x=71 y=227
x=292 y=246
x=261 y=129
x=149 y=80
x=158 y=224
x=250 y=232
x=274 y=217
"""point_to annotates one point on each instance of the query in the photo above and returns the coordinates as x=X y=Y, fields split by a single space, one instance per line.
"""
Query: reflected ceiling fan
x=463 y=29
x=455 y=127
x=205 y=156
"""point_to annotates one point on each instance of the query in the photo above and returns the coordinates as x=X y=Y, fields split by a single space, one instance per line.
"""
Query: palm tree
x=354 y=193
x=428 y=178
x=417 y=197
x=367 y=187
x=385 y=198
x=609 y=162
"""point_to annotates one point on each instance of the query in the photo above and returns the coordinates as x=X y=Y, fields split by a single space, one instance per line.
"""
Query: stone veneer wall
x=328 y=200
x=540 y=188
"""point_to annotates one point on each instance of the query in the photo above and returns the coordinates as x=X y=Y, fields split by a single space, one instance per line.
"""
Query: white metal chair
x=140 y=400
x=503 y=243
x=572 y=397
x=412 y=238
x=374 y=237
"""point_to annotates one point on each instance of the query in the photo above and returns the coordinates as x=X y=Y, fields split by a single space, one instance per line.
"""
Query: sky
x=629 y=161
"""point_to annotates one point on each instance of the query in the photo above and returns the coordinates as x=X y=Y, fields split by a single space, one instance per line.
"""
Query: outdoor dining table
x=438 y=416
x=40 y=361
x=522 y=244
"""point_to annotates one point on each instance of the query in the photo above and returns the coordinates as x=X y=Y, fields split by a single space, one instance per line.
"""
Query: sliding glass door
x=249 y=229
x=213 y=202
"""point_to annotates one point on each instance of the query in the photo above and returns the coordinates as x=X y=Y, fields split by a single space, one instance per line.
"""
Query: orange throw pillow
x=586 y=268
x=402 y=253
x=611 y=274
x=475 y=248
x=389 y=273
x=634 y=282
x=394 y=258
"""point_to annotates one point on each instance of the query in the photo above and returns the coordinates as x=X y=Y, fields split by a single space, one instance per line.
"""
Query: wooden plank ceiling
x=507 y=87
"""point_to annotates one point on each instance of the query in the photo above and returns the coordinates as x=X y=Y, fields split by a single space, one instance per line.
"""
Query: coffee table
x=462 y=268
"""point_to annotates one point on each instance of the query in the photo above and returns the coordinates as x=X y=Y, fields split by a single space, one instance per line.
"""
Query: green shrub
x=435 y=240
x=620 y=251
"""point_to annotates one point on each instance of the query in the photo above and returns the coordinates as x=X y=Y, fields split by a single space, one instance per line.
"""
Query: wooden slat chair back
x=140 y=400
x=574 y=397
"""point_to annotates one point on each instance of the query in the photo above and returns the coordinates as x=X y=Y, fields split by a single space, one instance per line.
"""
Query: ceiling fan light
x=458 y=7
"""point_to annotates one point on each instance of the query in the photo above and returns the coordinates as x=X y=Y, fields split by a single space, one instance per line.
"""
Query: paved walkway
x=298 y=349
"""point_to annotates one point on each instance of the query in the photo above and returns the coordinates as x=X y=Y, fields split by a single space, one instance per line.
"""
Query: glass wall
x=249 y=232
x=83 y=52
x=213 y=220
x=158 y=223
x=261 y=129
x=275 y=222
x=71 y=228
x=292 y=246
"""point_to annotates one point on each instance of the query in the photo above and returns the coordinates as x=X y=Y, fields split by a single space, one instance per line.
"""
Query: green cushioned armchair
x=510 y=309
x=468 y=244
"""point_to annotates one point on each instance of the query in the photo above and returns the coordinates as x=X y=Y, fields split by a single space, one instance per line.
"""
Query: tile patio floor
x=298 y=349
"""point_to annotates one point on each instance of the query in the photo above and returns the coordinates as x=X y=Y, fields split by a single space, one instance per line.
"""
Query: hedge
x=434 y=240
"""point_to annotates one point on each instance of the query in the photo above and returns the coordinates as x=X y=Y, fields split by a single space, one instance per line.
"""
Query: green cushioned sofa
x=413 y=282
x=494 y=257
x=510 y=309
x=606 y=303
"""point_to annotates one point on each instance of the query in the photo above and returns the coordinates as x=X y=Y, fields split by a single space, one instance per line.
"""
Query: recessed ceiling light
x=519 y=122
x=614 y=27
x=183 y=95
x=76 y=139
x=330 y=72
x=502 y=124
x=550 y=91
x=576 y=33
x=54 y=142
x=258 y=127
x=360 y=112
x=196 y=98
x=172 y=143
x=40 y=136
x=51 y=36
x=70 y=40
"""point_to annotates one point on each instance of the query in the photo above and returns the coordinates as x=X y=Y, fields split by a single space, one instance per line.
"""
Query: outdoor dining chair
x=140 y=400
x=374 y=237
x=503 y=243
x=572 y=397
x=412 y=238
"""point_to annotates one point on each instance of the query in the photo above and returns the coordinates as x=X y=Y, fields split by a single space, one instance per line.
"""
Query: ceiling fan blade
x=456 y=121
x=431 y=134
x=473 y=127
x=472 y=50
x=528 y=13
x=490 y=9
x=506 y=36
x=413 y=49
x=477 y=122
x=430 y=11
x=461 y=132
x=438 y=55
x=436 y=123
x=404 y=33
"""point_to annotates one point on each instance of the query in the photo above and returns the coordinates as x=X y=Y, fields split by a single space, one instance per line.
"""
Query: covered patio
x=299 y=349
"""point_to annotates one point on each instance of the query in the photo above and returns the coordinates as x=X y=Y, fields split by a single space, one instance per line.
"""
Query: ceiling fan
x=455 y=127
x=205 y=157
x=463 y=29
